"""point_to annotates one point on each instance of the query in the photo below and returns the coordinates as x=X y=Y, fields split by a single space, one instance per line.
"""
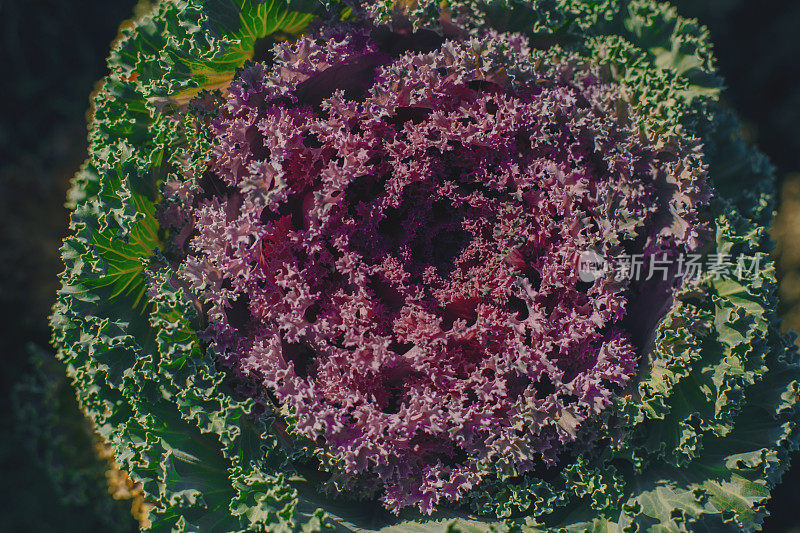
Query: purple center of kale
x=391 y=255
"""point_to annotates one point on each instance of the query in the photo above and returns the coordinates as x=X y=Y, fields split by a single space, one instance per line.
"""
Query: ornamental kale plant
x=326 y=271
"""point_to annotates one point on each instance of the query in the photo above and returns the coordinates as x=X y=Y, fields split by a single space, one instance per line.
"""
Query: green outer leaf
x=123 y=330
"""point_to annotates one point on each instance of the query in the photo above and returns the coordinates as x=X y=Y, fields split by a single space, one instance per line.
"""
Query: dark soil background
x=53 y=52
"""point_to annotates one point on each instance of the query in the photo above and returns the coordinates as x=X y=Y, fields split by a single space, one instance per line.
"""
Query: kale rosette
x=328 y=269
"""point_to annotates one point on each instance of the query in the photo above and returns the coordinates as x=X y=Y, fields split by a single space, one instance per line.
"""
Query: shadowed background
x=54 y=473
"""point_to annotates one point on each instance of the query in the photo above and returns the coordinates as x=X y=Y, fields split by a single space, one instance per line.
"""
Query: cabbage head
x=427 y=266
